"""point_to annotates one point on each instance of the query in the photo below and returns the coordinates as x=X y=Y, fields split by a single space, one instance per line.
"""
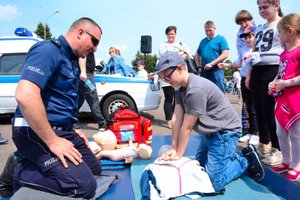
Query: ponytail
x=280 y=12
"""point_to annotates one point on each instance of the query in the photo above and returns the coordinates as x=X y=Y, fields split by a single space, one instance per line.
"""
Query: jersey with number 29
x=268 y=44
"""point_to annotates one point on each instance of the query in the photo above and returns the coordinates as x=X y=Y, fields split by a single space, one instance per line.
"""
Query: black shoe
x=6 y=177
x=255 y=169
x=6 y=192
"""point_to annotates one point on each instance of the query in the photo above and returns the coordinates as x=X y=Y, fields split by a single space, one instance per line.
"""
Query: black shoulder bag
x=190 y=63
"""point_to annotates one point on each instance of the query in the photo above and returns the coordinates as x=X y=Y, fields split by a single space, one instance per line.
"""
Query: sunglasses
x=94 y=40
x=167 y=77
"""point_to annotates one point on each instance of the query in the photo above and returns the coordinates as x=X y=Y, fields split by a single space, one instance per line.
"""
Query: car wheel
x=113 y=102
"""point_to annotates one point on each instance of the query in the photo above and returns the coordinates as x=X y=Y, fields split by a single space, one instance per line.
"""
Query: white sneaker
x=254 y=140
x=264 y=150
x=245 y=138
x=275 y=158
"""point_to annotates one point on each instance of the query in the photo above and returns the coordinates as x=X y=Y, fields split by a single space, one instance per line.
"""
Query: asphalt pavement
x=89 y=127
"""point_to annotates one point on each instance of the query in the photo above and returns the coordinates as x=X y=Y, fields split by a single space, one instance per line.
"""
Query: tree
x=227 y=71
x=40 y=31
x=150 y=61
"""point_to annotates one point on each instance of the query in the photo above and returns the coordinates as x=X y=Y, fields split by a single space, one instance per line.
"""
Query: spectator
x=116 y=64
x=237 y=84
x=87 y=70
x=183 y=50
x=250 y=131
x=286 y=88
x=245 y=46
x=212 y=50
x=141 y=73
x=262 y=74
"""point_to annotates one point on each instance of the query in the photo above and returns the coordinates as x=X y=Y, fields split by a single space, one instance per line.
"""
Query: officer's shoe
x=6 y=177
x=255 y=169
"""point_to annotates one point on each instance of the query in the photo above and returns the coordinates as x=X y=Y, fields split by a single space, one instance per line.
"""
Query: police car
x=113 y=91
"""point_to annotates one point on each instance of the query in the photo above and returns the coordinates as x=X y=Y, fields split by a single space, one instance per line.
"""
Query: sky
x=124 y=21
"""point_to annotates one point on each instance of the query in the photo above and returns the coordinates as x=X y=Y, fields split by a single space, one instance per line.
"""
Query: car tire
x=112 y=103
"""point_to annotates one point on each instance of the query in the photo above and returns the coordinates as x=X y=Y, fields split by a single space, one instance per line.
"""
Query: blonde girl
x=287 y=109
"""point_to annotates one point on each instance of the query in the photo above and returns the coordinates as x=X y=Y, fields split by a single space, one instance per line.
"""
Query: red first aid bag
x=131 y=128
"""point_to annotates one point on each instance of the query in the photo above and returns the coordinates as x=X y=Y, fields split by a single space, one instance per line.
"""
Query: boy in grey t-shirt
x=203 y=99
x=200 y=105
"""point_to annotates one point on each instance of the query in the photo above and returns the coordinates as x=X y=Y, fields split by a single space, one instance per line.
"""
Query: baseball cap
x=139 y=63
x=167 y=60
x=247 y=31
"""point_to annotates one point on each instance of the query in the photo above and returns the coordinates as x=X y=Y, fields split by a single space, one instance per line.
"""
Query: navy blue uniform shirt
x=52 y=66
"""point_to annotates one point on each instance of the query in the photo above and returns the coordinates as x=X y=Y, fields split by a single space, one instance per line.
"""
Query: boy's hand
x=169 y=155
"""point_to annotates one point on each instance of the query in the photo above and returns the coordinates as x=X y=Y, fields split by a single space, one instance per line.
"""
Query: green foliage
x=150 y=61
x=40 y=31
x=228 y=72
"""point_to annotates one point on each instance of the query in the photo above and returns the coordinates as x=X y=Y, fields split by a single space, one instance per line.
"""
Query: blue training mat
x=242 y=188
x=107 y=164
x=273 y=186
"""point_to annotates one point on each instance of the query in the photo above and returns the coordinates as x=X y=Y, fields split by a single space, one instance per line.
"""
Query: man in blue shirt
x=58 y=159
x=212 y=50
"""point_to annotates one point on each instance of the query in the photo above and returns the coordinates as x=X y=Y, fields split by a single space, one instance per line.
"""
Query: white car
x=113 y=91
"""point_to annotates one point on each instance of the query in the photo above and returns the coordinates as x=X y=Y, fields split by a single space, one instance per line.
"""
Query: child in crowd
x=245 y=62
x=287 y=109
x=245 y=20
x=141 y=73
x=269 y=47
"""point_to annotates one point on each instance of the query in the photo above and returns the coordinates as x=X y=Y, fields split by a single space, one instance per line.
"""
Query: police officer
x=58 y=156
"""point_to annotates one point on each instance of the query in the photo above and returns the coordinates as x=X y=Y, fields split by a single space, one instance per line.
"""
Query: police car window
x=12 y=63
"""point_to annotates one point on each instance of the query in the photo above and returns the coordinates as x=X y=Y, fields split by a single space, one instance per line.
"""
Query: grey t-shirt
x=204 y=99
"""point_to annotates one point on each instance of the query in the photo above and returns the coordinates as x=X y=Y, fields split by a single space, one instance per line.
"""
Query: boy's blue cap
x=139 y=63
x=167 y=60
x=247 y=31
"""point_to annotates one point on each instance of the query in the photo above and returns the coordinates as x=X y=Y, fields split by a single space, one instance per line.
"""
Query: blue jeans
x=215 y=75
x=217 y=153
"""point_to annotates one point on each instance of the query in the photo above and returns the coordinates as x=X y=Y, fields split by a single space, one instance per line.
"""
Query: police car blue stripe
x=22 y=38
x=110 y=79
x=98 y=79
x=9 y=79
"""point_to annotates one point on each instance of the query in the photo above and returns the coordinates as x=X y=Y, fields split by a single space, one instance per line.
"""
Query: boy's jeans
x=217 y=153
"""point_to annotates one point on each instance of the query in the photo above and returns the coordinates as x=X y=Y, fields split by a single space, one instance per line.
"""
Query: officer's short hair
x=82 y=21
